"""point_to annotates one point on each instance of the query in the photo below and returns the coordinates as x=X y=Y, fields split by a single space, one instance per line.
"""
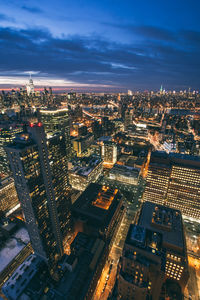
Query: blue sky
x=107 y=45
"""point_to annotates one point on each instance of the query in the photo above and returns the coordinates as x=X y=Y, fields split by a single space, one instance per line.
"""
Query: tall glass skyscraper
x=38 y=167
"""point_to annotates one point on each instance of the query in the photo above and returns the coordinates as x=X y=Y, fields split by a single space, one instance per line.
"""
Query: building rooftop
x=21 y=141
x=104 y=198
x=143 y=238
x=175 y=159
x=125 y=171
x=86 y=165
x=19 y=280
x=97 y=204
x=83 y=138
x=13 y=246
x=166 y=221
x=105 y=139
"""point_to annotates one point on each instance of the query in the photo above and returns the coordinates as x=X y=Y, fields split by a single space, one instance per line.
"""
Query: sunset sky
x=106 y=45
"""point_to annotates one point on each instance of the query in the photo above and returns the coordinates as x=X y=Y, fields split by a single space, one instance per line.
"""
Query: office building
x=98 y=212
x=174 y=180
x=85 y=171
x=56 y=120
x=154 y=255
x=124 y=174
x=128 y=118
x=141 y=271
x=125 y=179
x=109 y=153
x=39 y=191
x=30 y=87
x=8 y=197
x=168 y=222
x=59 y=171
x=81 y=144
x=82 y=268
x=7 y=134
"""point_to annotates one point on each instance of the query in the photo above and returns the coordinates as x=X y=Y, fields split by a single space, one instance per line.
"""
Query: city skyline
x=99 y=150
x=100 y=46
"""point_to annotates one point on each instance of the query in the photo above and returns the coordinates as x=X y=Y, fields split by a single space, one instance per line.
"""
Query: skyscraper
x=8 y=197
x=30 y=86
x=59 y=171
x=7 y=134
x=42 y=189
x=57 y=121
x=154 y=258
x=174 y=180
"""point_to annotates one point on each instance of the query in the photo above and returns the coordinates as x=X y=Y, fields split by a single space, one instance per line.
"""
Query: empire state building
x=30 y=86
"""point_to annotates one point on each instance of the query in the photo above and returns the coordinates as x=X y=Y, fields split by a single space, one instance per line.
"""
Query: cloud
x=145 y=31
x=32 y=9
x=4 y=17
x=82 y=60
x=154 y=33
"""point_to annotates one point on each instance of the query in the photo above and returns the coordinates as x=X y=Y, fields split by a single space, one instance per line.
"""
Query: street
x=108 y=276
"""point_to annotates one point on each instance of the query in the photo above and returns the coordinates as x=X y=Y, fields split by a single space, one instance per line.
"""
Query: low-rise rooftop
x=97 y=204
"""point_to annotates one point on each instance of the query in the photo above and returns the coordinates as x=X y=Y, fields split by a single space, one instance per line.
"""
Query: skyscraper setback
x=35 y=163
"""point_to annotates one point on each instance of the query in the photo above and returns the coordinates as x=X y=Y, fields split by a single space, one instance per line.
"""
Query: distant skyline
x=100 y=45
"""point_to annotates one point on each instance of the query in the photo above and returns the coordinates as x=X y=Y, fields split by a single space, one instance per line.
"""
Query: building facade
x=57 y=121
x=174 y=180
x=39 y=192
x=109 y=152
x=7 y=134
x=81 y=144
x=154 y=258
x=8 y=196
x=82 y=175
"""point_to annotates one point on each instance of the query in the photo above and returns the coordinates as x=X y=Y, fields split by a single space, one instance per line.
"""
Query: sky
x=111 y=45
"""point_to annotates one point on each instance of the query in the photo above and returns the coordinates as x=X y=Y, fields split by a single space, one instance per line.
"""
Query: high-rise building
x=128 y=119
x=8 y=196
x=30 y=87
x=130 y=93
x=57 y=121
x=7 y=134
x=109 y=152
x=42 y=188
x=81 y=144
x=154 y=258
x=174 y=180
x=59 y=170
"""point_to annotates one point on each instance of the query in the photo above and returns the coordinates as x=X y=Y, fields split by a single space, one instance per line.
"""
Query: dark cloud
x=95 y=60
x=32 y=9
x=154 y=33
x=147 y=32
x=4 y=17
x=192 y=38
